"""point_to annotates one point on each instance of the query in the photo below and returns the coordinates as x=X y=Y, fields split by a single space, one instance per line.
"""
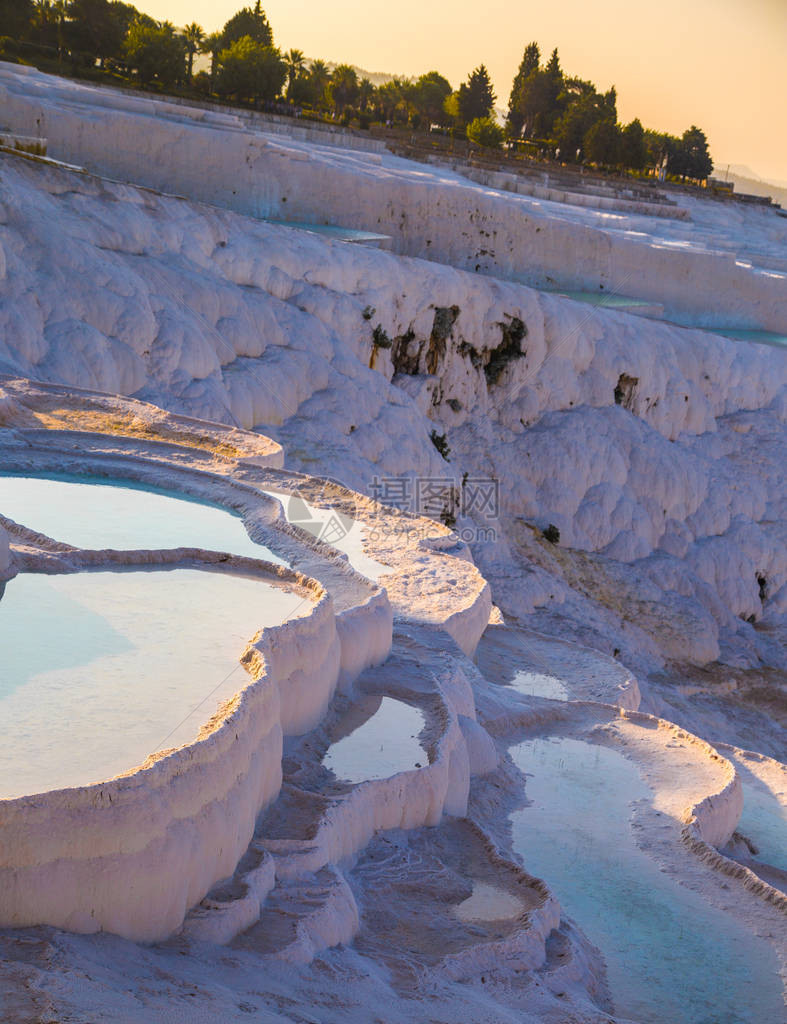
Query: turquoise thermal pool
x=101 y=669
x=671 y=956
x=386 y=743
x=607 y=299
x=97 y=513
x=764 y=821
x=760 y=337
x=338 y=530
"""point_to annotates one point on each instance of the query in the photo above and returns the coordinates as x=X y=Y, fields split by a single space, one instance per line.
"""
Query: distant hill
x=747 y=180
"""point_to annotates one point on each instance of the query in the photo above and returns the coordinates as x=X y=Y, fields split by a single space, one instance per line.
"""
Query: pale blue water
x=101 y=669
x=761 y=337
x=672 y=958
x=764 y=821
x=98 y=513
x=386 y=742
x=607 y=300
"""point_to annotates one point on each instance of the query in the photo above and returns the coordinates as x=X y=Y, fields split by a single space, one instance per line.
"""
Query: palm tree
x=212 y=44
x=46 y=15
x=295 y=62
x=366 y=93
x=194 y=35
x=319 y=77
x=344 y=87
x=43 y=14
x=394 y=98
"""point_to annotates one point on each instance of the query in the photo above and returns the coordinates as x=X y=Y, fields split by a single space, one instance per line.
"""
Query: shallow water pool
x=764 y=821
x=489 y=903
x=671 y=956
x=607 y=299
x=97 y=513
x=760 y=337
x=100 y=669
x=386 y=742
x=538 y=684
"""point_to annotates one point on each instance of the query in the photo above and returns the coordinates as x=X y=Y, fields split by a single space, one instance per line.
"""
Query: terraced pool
x=100 y=669
x=98 y=512
x=671 y=955
x=381 y=740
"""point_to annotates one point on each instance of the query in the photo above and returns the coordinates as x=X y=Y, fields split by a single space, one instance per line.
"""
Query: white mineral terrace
x=270 y=752
x=426 y=210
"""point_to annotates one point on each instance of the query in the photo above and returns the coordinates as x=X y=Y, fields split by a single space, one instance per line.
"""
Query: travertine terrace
x=622 y=587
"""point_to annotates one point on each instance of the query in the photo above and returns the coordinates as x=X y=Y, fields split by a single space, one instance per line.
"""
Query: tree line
x=549 y=112
x=571 y=116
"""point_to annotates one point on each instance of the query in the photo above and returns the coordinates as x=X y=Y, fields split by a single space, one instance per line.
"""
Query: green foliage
x=601 y=142
x=201 y=83
x=344 y=87
x=16 y=17
x=212 y=44
x=194 y=36
x=295 y=63
x=95 y=28
x=585 y=108
x=451 y=108
x=428 y=95
x=687 y=157
x=633 y=151
x=527 y=67
x=538 y=99
x=310 y=88
x=475 y=98
x=394 y=100
x=484 y=131
x=249 y=70
x=567 y=113
x=550 y=109
x=251 y=22
x=693 y=156
x=156 y=52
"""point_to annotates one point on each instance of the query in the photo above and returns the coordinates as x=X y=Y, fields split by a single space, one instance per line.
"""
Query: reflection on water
x=98 y=513
x=386 y=742
x=100 y=669
x=666 y=949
